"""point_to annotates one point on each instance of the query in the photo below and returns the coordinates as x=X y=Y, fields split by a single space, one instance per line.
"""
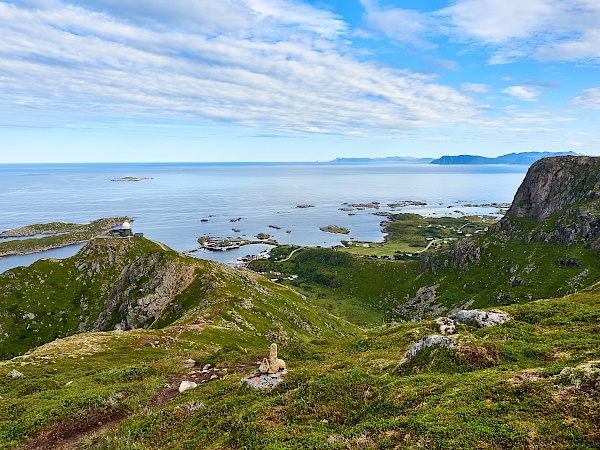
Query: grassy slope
x=63 y=295
x=369 y=291
x=500 y=388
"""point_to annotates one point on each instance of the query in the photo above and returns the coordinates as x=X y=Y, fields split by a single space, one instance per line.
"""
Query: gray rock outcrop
x=446 y=324
x=434 y=340
x=259 y=382
x=168 y=279
x=480 y=319
x=563 y=193
x=552 y=184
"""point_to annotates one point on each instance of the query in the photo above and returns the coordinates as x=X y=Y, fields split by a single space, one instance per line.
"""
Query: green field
x=408 y=235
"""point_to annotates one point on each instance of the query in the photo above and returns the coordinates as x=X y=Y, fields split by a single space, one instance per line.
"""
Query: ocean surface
x=183 y=201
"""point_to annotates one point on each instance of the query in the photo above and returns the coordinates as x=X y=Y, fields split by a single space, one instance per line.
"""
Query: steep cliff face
x=553 y=184
x=546 y=244
x=143 y=290
x=562 y=195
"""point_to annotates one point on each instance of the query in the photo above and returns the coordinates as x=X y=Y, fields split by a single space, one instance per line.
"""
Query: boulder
x=434 y=340
x=446 y=325
x=480 y=319
x=14 y=374
x=187 y=385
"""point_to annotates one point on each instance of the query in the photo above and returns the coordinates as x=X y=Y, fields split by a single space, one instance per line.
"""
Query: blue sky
x=292 y=80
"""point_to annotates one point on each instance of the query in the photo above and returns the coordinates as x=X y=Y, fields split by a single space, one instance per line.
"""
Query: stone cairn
x=270 y=373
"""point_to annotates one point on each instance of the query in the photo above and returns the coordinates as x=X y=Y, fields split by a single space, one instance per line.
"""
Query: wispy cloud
x=266 y=63
x=475 y=87
x=524 y=93
x=589 y=99
x=545 y=30
x=403 y=26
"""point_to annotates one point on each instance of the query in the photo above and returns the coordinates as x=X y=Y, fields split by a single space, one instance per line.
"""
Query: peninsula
x=53 y=235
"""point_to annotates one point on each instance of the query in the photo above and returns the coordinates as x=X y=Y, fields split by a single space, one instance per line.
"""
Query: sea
x=176 y=203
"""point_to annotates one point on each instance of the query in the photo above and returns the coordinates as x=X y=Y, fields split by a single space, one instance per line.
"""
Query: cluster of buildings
x=124 y=231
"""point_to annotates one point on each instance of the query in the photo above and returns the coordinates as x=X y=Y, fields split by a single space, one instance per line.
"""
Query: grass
x=484 y=271
x=413 y=234
x=502 y=387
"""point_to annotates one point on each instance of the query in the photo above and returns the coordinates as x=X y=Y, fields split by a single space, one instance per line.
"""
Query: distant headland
x=524 y=158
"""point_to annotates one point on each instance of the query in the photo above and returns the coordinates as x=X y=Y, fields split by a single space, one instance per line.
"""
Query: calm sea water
x=169 y=207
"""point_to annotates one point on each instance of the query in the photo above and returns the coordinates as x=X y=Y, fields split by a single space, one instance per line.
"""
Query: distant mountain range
x=525 y=158
x=395 y=159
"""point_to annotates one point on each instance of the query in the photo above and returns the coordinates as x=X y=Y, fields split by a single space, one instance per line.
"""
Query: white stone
x=189 y=363
x=14 y=374
x=186 y=385
x=446 y=325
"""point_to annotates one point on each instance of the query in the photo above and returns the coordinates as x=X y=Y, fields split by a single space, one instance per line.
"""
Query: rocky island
x=128 y=178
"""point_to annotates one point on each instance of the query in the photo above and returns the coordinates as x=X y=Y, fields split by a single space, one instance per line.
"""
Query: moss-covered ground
x=533 y=382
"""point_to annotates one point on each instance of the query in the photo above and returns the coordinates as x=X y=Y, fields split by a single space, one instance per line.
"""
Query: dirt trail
x=67 y=435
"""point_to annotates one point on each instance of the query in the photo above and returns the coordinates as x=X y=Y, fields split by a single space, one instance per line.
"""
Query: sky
x=296 y=80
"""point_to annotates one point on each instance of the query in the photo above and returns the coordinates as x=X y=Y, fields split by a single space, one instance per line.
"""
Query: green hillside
x=122 y=284
x=533 y=382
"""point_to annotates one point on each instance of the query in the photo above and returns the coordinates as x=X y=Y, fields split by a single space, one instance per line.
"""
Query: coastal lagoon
x=179 y=202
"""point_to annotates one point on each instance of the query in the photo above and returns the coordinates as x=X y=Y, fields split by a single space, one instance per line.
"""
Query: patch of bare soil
x=67 y=435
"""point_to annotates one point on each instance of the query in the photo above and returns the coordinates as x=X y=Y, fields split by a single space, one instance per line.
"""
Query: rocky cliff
x=562 y=195
x=547 y=244
x=553 y=184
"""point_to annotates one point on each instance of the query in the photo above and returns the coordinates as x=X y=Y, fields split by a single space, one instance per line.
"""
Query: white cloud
x=525 y=93
x=475 y=87
x=589 y=99
x=541 y=29
x=85 y=63
x=400 y=25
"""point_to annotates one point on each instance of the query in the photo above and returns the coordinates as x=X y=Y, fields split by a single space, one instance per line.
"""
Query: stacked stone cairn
x=270 y=373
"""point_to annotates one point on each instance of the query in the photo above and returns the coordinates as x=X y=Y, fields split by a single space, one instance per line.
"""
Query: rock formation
x=14 y=374
x=563 y=193
x=269 y=374
x=276 y=365
x=446 y=325
x=481 y=319
x=434 y=340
